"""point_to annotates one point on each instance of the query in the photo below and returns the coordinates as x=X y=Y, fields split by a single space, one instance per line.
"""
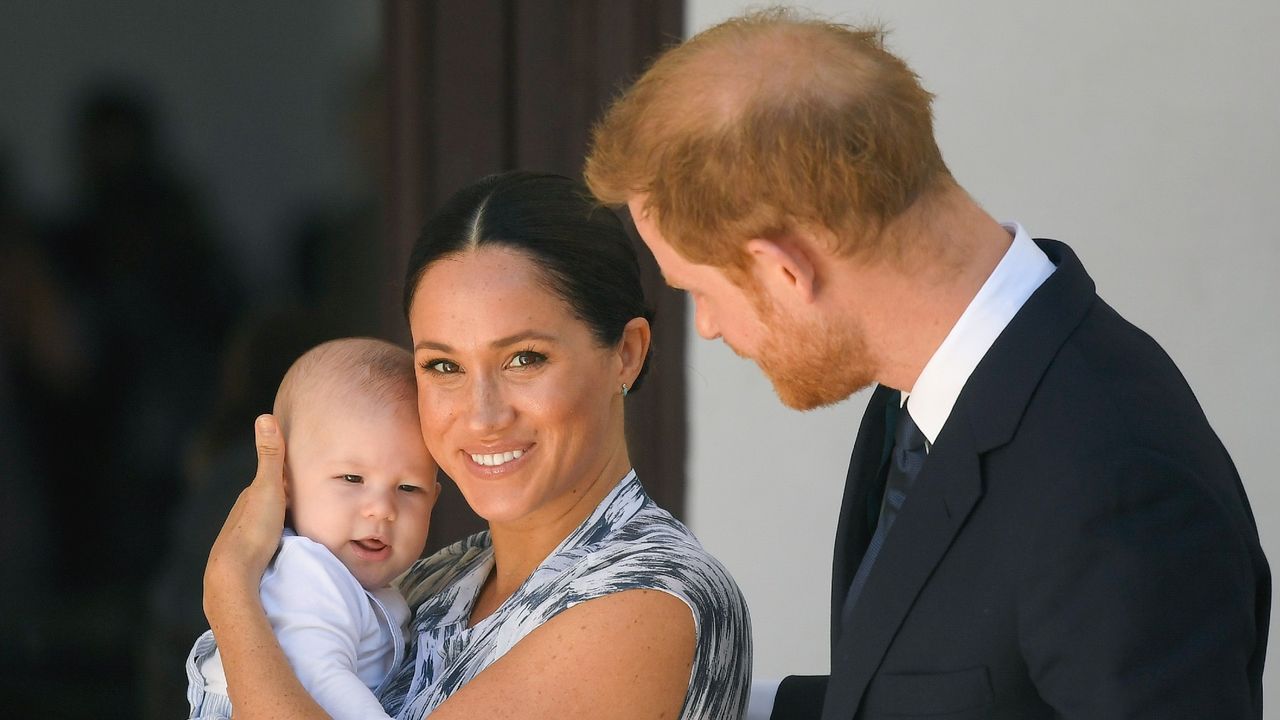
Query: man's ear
x=786 y=266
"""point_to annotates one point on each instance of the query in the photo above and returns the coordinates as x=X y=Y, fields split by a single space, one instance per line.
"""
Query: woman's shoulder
x=653 y=551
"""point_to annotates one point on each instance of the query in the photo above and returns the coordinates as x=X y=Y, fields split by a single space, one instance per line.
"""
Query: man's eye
x=442 y=367
x=353 y=479
x=526 y=358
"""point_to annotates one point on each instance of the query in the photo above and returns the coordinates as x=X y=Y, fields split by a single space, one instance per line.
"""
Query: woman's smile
x=497 y=463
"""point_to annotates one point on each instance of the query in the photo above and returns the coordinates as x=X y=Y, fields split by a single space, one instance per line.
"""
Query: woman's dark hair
x=585 y=255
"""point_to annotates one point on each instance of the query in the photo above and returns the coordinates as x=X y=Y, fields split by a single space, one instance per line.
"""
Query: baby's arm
x=316 y=608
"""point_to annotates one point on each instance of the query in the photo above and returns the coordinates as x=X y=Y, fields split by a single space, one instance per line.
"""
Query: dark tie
x=905 y=461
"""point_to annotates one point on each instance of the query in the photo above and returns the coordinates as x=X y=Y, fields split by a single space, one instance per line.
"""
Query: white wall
x=1144 y=134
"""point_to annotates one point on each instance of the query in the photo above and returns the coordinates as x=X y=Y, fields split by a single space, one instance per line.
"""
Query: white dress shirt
x=1022 y=269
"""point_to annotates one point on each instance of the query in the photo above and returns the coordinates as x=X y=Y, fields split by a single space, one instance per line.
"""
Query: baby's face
x=362 y=484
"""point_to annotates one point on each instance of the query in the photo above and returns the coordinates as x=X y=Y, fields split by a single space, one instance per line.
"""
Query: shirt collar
x=1022 y=269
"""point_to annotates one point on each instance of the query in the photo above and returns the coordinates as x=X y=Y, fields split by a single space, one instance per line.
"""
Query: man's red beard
x=810 y=365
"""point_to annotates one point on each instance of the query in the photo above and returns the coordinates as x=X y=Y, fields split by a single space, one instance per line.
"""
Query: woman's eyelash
x=442 y=366
x=439 y=365
x=534 y=357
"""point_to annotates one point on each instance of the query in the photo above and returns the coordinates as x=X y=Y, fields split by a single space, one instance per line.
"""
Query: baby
x=360 y=487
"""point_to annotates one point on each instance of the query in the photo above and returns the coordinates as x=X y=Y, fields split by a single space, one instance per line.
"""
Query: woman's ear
x=633 y=349
x=785 y=266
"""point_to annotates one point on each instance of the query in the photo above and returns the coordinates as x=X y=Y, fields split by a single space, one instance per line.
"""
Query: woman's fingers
x=251 y=533
x=259 y=513
x=270 y=445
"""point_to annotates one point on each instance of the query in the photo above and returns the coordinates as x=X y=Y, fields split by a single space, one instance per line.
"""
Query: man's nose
x=702 y=320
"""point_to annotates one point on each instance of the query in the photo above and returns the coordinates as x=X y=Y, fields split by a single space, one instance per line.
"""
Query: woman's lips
x=496 y=463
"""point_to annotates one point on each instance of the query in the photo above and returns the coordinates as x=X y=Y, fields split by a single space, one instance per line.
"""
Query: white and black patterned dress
x=628 y=543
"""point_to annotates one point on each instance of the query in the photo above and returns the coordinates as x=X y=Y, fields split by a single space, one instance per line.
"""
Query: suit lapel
x=854 y=531
x=948 y=487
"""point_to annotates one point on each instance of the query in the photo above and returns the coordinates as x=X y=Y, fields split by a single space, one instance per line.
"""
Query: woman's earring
x=625 y=390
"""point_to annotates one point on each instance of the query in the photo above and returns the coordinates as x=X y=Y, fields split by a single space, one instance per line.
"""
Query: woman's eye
x=527 y=358
x=442 y=367
x=352 y=478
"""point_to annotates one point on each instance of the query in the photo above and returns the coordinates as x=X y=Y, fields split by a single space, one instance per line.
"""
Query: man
x=1038 y=521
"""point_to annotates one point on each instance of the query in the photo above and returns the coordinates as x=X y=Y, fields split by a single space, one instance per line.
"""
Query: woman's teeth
x=497 y=458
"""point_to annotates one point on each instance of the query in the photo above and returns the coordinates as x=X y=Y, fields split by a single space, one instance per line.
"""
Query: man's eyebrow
x=502 y=342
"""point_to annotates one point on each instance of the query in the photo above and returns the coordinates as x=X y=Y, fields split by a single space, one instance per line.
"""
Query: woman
x=583 y=599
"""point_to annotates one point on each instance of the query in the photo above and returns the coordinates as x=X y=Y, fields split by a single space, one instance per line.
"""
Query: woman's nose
x=489 y=407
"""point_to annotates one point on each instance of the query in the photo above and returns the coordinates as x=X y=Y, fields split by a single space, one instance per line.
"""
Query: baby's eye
x=410 y=488
x=526 y=358
x=352 y=478
x=441 y=367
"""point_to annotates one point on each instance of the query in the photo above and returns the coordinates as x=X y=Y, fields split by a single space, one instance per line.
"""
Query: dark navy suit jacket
x=1077 y=545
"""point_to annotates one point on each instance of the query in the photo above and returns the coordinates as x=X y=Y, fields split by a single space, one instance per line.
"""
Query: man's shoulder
x=1122 y=381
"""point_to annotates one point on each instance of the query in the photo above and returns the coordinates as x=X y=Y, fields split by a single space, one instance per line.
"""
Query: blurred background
x=191 y=194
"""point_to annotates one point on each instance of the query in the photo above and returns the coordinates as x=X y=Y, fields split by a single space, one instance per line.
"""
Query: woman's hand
x=251 y=533
x=259 y=678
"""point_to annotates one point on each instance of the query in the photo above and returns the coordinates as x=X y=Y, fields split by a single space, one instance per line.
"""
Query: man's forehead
x=677 y=271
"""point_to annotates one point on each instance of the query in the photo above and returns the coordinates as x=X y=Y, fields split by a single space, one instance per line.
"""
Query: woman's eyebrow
x=522 y=337
x=502 y=342
x=432 y=345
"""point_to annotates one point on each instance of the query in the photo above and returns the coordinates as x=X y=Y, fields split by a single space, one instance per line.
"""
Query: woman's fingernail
x=265 y=426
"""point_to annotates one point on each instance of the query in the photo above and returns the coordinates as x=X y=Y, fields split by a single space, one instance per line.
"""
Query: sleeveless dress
x=627 y=543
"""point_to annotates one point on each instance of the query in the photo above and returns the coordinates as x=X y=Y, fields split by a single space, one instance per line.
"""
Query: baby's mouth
x=370 y=544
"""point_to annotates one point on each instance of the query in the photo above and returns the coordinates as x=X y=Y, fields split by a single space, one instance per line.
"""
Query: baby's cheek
x=303 y=520
x=422 y=524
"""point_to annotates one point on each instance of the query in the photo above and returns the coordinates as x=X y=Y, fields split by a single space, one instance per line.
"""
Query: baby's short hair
x=372 y=369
